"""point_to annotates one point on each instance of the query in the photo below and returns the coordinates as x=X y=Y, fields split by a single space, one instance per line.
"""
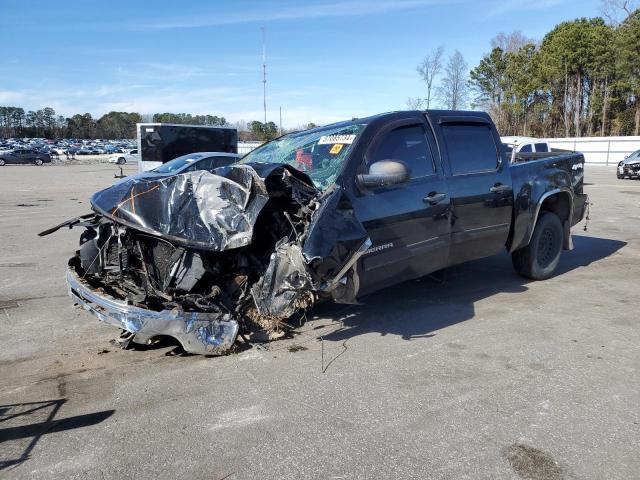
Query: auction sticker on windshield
x=328 y=139
x=336 y=148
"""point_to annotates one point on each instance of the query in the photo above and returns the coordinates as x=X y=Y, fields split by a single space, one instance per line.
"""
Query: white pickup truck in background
x=517 y=145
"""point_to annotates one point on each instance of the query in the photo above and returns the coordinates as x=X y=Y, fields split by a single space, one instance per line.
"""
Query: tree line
x=582 y=79
x=45 y=123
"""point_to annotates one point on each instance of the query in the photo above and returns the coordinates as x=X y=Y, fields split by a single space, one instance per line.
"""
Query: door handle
x=500 y=188
x=434 y=197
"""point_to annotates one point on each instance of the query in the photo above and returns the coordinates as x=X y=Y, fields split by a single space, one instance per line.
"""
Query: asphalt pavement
x=474 y=373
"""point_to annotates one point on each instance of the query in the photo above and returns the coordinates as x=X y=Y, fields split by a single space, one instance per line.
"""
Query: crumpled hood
x=210 y=211
x=631 y=161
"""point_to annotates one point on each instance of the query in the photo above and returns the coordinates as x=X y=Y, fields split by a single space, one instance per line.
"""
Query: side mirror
x=384 y=172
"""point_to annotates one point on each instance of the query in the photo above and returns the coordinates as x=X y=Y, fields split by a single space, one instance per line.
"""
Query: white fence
x=246 y=147
x=604 y=150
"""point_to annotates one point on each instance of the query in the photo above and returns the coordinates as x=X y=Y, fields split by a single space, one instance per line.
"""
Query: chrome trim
x=343 y=271
x=422 y=242
x=198 y=332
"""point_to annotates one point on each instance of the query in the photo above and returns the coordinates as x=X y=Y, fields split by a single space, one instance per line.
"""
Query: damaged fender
x=204 y=256
x=335 y=241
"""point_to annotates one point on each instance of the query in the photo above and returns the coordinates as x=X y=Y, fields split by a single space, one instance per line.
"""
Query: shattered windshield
x=319 y=153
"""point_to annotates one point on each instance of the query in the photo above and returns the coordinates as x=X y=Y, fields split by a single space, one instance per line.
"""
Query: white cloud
x=304 y=11
x=8 y=96
x=502 y=7
x=294 y=117
x=230 y=102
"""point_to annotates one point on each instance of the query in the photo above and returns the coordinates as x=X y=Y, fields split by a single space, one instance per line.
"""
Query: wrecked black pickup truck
x=334 y=212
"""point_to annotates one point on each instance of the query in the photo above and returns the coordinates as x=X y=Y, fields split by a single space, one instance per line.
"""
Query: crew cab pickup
x=338 y=212
x=525 y=148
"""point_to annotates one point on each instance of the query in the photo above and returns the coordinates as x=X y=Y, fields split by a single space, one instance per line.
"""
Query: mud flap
x=568 y=241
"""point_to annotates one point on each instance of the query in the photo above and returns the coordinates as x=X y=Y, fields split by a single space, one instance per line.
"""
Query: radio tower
x=264 y=74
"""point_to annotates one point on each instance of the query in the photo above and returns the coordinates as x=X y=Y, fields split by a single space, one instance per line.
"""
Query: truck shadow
x=417 y=309
x=22 y=425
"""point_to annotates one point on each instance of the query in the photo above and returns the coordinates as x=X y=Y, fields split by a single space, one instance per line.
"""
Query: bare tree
x=429 y=69
x=510 y=42
x=453 y=90
x=414 y=103
x=616 y=11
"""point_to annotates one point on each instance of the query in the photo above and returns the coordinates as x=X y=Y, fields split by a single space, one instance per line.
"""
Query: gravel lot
x=474 y=374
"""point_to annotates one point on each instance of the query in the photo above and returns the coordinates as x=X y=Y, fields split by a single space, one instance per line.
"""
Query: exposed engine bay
x=250 y=244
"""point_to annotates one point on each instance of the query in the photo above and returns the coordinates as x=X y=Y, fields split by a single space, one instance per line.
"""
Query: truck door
x=407 y=223
x=479 y=185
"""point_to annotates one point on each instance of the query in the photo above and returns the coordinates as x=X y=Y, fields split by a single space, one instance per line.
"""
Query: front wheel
x=539 y=259
x=38 y=162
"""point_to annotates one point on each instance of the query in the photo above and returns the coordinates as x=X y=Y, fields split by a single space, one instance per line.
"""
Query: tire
x=121 y=161
x=539 y=259
x=38 y=162
x=2 y=162
x=620 y=177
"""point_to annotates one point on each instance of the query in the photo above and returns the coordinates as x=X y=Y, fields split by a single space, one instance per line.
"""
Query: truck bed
x=534 y=180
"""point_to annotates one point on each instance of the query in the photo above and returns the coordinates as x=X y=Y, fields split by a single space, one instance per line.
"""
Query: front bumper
x=197 y=332
x=631 y=170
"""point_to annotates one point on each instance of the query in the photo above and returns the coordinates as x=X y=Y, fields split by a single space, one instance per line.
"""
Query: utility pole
x=280 y=120
x=264 y=74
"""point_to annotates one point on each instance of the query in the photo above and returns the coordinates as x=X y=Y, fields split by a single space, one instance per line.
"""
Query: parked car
x=123 y=158
x=348 y=209
x=24 y=156
x=191 y=162
x=59 y=150
x=630 y=166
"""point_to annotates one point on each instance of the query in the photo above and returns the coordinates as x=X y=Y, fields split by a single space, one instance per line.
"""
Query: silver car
x=630 y=166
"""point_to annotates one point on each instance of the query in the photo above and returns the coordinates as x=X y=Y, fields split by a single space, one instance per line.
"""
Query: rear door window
x=471 y=148
x=526 y=148
x=542 y=147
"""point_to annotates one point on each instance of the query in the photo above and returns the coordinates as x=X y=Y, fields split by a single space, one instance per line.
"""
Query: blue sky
x=327 y=60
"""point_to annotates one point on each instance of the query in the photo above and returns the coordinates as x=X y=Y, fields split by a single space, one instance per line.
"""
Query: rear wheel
x=2 y=162
x=38 y=162
x=539 y=259
x=121 y=161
